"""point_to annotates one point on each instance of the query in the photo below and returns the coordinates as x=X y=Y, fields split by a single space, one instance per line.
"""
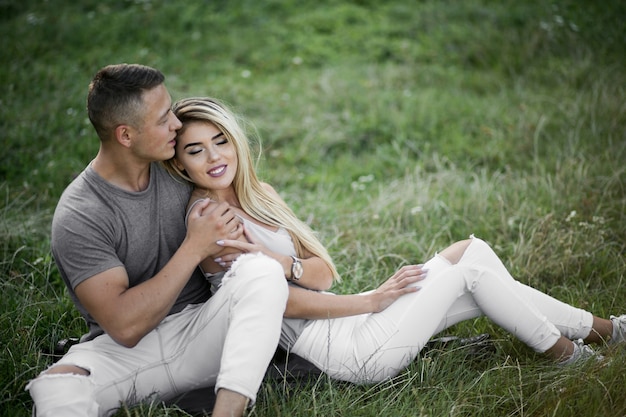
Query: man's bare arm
x=128 y=314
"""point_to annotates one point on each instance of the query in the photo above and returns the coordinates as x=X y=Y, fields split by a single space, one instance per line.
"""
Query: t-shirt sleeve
x=82 y=243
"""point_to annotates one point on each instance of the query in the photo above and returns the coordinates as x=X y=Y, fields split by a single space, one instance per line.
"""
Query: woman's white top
x=278 y=241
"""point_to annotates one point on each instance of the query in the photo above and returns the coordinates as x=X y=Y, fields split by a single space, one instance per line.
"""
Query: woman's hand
x=317 y=275
x=396 y=286
x=306 y=304
x=233 y=248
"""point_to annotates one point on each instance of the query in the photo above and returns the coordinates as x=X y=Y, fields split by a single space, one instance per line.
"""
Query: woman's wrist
x=285 y=262
x=372 y=302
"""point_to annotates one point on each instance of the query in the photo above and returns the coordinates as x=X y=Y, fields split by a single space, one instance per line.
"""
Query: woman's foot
x=619 y=329
x=581 y=354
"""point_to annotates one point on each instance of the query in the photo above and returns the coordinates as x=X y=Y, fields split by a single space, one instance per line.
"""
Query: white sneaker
x=582 y=353
x=619 y=329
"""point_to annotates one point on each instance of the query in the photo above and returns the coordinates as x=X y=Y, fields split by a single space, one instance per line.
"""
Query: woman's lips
x=217 y=171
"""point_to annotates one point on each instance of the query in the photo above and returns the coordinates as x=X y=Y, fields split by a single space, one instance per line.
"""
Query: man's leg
x=228 y=342
x=229 y=404
x=258 y=295
x=63 y=391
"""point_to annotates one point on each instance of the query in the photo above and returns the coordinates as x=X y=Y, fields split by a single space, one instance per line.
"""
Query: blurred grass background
x=394 y=128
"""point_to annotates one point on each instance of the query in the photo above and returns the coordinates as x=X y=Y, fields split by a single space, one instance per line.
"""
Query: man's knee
x=257 y=264
x=260 y=269
x=63 y=390
x=262 y=277
x=67 y=369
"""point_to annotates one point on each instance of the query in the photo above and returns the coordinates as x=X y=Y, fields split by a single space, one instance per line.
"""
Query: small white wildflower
x=598 y=219
x=246 y=74
x=33 y=19
x=570 y=216
x=366 y=178
x=296 y=60
x=558 y=20
x=415 y=210
x=357 y=186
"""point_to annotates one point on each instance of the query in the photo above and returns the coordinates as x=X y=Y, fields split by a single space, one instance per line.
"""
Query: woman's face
x=208 y=157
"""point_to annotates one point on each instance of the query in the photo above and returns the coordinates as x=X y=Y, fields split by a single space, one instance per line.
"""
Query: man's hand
x=209 y=222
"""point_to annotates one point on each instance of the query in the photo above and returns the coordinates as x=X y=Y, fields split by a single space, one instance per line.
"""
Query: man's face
x=155 y=139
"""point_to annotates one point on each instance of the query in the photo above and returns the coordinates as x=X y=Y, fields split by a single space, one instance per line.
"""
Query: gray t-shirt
x=98 y=226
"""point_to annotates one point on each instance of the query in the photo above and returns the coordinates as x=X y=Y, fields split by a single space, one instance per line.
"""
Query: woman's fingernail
x=220 y=242
x=217 y=260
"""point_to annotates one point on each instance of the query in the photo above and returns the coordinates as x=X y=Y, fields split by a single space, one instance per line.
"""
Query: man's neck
x=129 y=175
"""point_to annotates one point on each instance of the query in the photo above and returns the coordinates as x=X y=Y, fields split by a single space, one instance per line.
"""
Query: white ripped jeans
x=373 y=347
x=227 y=342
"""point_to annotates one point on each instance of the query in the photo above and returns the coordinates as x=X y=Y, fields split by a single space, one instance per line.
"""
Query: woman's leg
x=572 y=322
x=373 y=347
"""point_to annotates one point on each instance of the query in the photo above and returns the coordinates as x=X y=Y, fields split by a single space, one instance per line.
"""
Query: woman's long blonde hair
x=255 y=199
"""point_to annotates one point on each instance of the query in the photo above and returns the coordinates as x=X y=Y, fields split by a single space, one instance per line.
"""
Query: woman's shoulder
x=268 y=187
x=270 y=190
x=193 y=201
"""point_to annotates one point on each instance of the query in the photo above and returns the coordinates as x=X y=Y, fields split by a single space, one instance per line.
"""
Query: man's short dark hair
x=115 y=96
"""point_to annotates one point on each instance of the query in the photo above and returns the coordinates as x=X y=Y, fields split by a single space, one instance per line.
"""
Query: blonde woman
x=367 y=337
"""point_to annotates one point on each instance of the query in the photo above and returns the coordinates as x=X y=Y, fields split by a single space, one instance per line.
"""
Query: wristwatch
x=296 y=269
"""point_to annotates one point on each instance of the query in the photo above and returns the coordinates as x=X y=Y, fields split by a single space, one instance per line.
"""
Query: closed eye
x=220 y=139
x=193 y=148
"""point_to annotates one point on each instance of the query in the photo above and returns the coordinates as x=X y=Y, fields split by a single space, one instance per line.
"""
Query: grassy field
x=393 y=127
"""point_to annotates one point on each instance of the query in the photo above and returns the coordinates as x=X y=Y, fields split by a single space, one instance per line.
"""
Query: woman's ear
x=178 y=165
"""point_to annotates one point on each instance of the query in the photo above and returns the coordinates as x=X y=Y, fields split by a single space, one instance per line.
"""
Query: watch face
x=296 y=269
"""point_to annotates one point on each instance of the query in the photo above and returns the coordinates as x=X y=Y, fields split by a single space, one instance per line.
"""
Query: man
x=130 y=263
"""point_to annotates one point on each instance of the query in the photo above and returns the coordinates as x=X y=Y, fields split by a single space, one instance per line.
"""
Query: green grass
x=394 y=128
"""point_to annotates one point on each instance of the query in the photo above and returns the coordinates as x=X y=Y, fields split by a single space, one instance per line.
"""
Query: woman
x=372 y=336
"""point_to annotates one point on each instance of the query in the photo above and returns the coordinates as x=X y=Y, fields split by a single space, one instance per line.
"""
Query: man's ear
x=123 y=135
